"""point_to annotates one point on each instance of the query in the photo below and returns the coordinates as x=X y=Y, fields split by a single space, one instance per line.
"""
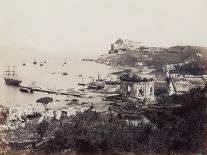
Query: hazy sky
x=91 y=25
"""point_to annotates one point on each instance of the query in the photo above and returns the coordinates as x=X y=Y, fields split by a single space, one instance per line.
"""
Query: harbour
x=50 y=79
x=103 y=77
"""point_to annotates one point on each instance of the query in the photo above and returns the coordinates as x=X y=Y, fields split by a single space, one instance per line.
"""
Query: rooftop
x=193 y=81
x=134 y=78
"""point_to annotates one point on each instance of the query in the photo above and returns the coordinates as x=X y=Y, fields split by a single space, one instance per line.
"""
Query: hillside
x=157 y=57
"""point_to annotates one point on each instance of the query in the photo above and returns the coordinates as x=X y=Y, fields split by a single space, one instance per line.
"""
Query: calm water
x=47 y=76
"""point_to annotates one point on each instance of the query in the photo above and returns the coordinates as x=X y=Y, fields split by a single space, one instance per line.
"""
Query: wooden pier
x=64 y=92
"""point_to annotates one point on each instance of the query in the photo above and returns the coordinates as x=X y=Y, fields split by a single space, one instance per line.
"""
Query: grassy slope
x=131 y=58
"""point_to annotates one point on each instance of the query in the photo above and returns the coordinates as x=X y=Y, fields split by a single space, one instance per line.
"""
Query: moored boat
x=65 y=73
x=11 y=77
x=81 y=84
x=87 y=59
x=95 y=85
x=24 y=64
x=35 y=61
x=26 y=89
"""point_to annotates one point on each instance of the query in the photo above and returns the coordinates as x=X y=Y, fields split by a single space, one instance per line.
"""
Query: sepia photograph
x=110 y=77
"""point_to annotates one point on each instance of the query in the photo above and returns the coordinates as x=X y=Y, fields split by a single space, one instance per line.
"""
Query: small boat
x=26 y=89
x=11 y=77
x=65 y=73
x=24 y=64
x=81 y=84
x=96 y=84
x=35 y=62
x=65 y=62
x=41 y=64
x=87 y=59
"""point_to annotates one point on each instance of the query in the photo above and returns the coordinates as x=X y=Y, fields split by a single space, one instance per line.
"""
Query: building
x=133 y=86
x=16 y=114
x=124 y=45
x=184 y=83
x=134 y=45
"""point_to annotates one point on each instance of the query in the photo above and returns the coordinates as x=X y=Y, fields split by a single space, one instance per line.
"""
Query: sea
x=47 y=76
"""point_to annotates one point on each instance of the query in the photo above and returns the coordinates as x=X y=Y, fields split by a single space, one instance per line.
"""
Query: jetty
x=70 y=92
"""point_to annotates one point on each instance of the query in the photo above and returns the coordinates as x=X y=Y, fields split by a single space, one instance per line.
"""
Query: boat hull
x=12 y=82
x=81 y=84
x=26 y=89
x=94 y=86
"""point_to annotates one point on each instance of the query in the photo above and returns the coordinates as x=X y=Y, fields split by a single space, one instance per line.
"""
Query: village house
x=133 y=86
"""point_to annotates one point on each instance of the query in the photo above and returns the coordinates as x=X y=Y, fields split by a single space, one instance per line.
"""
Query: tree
x=42 y=127
x=45 y=101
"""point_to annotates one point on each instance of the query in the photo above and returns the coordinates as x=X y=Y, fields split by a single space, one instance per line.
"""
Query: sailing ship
x=81 y=84
x=11 y=77
x=96 y=84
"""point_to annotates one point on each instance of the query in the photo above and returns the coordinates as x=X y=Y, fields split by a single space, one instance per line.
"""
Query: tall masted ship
x=11 y=77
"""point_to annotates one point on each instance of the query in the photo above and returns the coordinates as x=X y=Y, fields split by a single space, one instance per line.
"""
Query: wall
x=140 y=90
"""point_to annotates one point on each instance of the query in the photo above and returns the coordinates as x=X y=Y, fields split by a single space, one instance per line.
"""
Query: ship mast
x=98 y=76
x=10 y=72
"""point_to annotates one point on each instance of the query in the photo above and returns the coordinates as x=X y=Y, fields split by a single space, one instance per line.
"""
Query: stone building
x=124 y=45
x=133 y=86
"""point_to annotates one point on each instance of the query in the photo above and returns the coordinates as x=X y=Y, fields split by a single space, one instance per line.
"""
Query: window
x=129 y=90
x=151 y=91
x=141 y=92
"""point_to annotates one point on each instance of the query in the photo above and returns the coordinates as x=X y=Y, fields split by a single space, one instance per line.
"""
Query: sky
x=92 y=25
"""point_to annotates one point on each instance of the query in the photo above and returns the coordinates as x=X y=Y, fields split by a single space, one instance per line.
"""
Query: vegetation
x=194 y=68
x=3 y=114
x=170 y=55
x=45 y=101
x=176 y=126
